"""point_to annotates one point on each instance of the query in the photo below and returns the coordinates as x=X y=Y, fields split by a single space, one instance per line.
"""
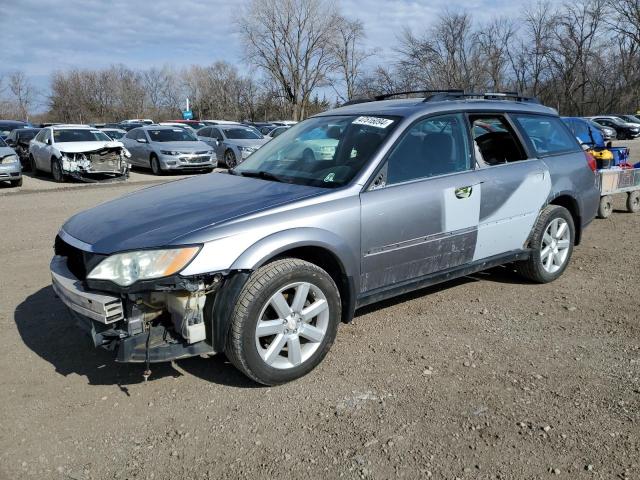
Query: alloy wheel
x=292 y=325
x=555 y=245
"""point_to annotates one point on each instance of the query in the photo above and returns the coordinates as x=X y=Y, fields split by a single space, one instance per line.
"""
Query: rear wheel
x=551 y=246
x=155 y=166
x=284 y=322
x=606 y=206
x=633 y=201
x=56 y=170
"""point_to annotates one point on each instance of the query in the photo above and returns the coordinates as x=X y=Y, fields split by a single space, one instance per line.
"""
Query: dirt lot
x=484 y=377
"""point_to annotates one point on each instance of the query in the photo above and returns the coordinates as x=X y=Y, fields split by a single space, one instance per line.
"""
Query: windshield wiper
x=260 y=174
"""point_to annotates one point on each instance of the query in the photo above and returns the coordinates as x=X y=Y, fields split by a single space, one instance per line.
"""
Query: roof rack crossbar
x=515 y=96
x=413 y=92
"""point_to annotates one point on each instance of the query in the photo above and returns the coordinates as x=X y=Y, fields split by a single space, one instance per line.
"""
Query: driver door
x=423 y=216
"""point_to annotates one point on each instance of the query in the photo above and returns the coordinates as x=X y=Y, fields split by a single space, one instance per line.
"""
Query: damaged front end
x=156 y=321
x=93 y=165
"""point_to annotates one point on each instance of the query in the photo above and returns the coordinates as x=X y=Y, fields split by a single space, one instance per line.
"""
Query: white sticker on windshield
x=177 y=130
x=96 y=131
x=373 y=122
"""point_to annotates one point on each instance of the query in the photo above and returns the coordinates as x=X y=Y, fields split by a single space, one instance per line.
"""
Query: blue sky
x=40 y=36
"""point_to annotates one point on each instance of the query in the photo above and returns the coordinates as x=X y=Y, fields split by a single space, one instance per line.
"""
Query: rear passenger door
x=515 y=185
x=421 y=213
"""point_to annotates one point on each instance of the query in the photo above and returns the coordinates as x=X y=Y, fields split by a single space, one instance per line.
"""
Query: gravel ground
x=484 y=377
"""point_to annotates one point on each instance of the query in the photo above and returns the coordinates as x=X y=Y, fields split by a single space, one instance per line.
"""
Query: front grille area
x=79 y=262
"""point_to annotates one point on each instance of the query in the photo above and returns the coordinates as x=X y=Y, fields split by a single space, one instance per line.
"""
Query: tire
x=33 y=166
x=230 y=159
x=539 y=267
x=155 y=166
x=56 y=171
x=16 y=183
x=262 y=357
x=606 y=207
x=633 y=201
x=208 y=170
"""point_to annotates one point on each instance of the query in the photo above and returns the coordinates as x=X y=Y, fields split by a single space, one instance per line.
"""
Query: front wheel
x=155 y=166
x=33 y=165
x=16 y=183
x=230 y=159
x=284 y=322
x=56 y=171
x=551 y=245
x=606 y=207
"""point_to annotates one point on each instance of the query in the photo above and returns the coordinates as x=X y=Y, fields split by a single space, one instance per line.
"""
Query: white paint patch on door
x=509 y=227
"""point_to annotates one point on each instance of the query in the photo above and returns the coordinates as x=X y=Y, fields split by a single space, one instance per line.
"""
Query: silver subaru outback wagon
x=264 y=261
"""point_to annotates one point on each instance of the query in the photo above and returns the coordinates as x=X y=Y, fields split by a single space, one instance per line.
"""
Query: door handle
x=464 y=192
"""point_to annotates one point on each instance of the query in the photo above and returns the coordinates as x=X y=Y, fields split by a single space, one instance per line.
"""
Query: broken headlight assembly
x=125 y=269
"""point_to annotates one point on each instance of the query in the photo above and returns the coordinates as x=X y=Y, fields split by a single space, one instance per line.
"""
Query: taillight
x=593 y=165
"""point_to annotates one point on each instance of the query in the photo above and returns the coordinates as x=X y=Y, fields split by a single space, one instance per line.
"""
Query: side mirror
x=48 y=141
x=141 y=140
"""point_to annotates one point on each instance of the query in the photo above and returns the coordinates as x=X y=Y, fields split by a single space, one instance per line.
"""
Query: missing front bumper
x=121 y=325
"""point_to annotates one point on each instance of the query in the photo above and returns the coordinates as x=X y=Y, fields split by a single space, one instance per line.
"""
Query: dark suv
x=347 y=208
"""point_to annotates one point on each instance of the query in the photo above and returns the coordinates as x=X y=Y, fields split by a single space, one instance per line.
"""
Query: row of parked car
x=92 y=152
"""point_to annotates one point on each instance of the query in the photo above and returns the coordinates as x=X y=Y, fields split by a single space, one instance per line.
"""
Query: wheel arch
x=569 y=202
x=317 y=246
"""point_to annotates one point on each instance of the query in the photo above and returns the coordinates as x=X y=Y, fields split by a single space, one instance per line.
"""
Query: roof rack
x=449 y=94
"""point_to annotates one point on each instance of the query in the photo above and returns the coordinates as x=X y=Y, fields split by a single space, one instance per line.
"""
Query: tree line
x=303 y=56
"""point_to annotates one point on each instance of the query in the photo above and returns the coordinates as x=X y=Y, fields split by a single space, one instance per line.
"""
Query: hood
x=163 y=215
x=79 y=147
x=253 y=142
x=182 y=146
x=4 y=151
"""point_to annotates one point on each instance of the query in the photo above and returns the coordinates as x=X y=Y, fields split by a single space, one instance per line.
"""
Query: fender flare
x=272 y=245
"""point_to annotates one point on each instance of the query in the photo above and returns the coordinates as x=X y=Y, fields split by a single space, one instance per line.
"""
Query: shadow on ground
x=48 y=328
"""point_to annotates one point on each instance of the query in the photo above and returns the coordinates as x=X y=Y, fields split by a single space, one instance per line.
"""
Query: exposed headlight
x=9 y=159
x=127 y=268
x=169 y=152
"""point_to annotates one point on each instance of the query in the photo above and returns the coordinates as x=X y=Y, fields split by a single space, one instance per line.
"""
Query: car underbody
x=88 y=166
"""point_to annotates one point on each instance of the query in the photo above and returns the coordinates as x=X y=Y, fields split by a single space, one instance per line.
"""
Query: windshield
x=114 y=134
x=27 y=134
x=2 y=144
x=171 y=135
x=322 y=151
x=242 y=133
x=79 y=135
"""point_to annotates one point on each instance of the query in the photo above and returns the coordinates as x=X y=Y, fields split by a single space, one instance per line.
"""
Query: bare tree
x=349 y=56
x=291 y=41
x=23 y=91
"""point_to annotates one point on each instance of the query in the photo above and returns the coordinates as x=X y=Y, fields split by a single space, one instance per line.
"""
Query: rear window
x=548 y=135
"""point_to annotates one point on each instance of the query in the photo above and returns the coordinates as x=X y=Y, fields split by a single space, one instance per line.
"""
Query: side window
x=495 y=142
x=434 y=146
x=131 y=135
x=40 y=136
x=215 y=133
x=47 y=136
x=548 y=135
x=205 y=132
